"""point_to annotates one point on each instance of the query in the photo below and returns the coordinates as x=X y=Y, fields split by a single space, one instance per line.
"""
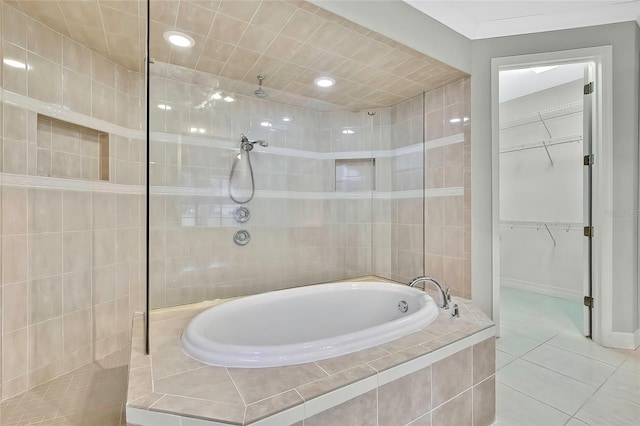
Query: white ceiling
x=477 y=19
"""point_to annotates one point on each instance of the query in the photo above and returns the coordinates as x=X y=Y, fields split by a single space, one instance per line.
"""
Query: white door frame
x=602 y=191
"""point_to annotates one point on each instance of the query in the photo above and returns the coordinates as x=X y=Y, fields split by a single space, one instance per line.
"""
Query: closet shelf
x=545 y=114
x=543 y=144
x=521 y=224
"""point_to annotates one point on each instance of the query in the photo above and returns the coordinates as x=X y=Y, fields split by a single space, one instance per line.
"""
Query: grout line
x=535 y=399
x=323 y=370
x=236 y=386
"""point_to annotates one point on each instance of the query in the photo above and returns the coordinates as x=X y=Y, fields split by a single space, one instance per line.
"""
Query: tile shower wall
x=448 y=173
x=406 y=208
x=305 y=228
x=295 y=227
x=73 y=248
x=351 y=134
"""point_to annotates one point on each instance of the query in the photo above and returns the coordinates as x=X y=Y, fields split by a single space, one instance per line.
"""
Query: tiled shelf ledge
x=170 y=388
x=233 y=144
x=310 y=195
x=62 y=113
x=65 y=184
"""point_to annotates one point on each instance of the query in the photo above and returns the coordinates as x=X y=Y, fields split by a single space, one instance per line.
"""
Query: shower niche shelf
x=68 y=150
x=355 y=175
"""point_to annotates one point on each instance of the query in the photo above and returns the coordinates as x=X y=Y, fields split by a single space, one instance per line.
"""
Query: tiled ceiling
x=113 y=28
x=291 y=43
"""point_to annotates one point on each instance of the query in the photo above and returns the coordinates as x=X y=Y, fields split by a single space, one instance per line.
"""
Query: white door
x=588 y=160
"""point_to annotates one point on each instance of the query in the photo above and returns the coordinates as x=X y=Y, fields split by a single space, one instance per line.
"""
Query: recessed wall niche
x=355 y=175
x=71 y=151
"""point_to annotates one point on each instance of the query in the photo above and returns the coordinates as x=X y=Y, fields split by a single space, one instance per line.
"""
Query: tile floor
x=548 y=374
x=93 y=395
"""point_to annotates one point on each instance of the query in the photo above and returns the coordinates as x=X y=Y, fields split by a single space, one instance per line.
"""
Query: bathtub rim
x=245 y=356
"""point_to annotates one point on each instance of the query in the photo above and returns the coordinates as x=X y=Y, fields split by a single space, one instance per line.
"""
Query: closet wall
x=541 y=191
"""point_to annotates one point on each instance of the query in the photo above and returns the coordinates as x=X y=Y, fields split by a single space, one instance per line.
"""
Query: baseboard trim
x=542 y=289
x=622 y=340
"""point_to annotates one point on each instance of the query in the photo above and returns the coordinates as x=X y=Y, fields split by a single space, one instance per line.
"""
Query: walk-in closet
x=542 y=199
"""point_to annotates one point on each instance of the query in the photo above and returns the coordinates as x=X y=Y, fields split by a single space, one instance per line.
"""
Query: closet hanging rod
x=548 y=113
x=542 y=144
x=524 y=122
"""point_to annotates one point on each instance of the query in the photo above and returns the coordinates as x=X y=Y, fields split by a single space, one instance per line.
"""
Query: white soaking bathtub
x=306 y=324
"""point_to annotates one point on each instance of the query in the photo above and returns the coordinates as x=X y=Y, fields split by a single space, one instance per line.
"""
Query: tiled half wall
x=458 y=390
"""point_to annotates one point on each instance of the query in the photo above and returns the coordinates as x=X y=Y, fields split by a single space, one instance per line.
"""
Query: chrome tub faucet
x=444 y=294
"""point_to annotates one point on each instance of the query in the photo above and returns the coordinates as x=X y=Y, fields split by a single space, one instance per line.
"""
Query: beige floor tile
x=502 y=359
x=516 y=409
x=585 y=347
x=570 y=364
x=515 y=344
x=558 y=391
x=91 y=395
x=607 y=409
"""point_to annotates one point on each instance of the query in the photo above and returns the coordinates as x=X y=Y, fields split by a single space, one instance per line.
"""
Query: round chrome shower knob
x=242 y=237
x=241 y=214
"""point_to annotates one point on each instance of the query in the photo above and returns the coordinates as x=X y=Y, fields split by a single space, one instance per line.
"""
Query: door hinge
x=588 y=231
x=588 y=88
x=588 y=160
x=588 y=301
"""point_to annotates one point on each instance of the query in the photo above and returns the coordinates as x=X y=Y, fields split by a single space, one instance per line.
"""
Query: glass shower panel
x=351 y=148
x=326 y=191
x=1 y=187
x=399 y=198
x=282 y=228
x=327 y=196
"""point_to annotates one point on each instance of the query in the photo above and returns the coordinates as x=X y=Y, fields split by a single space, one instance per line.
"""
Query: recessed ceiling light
x=179 y=39
x=455 y=120
x=228 y=99
x=216 y=96
x=324 y=81
x=348 y=132
x=164 y=107
x=15 y=64
x=287 y=119
x=265 y=124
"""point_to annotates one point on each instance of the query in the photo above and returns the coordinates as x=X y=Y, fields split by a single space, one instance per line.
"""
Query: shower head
x=259 y=92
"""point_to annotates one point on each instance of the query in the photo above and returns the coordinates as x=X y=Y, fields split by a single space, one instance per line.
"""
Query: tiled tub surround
x=72 y=239
x=441 y=375
x=297 y=212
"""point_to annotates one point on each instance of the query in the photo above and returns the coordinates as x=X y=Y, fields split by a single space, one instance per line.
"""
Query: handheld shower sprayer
x=242 y=172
